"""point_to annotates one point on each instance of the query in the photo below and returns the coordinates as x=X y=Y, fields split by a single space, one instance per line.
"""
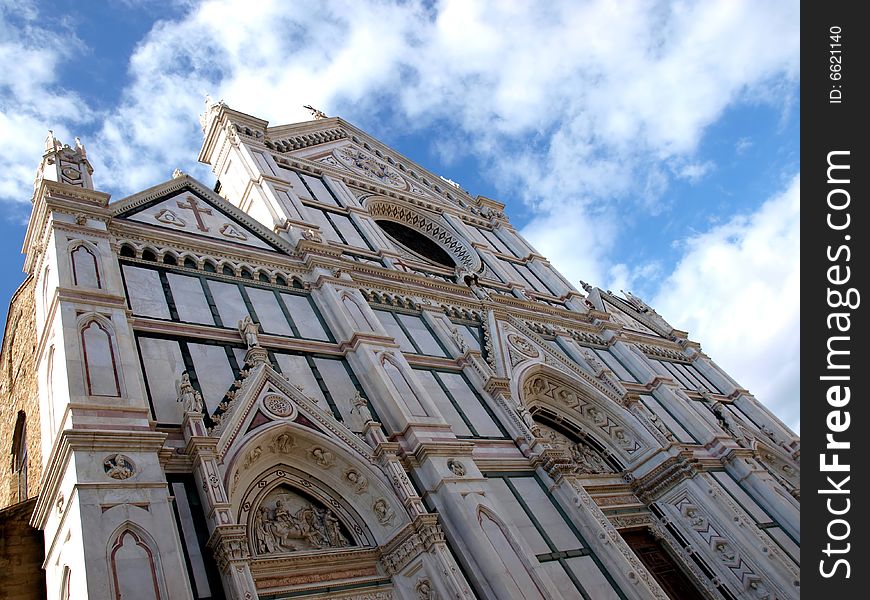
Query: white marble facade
x=435 y=415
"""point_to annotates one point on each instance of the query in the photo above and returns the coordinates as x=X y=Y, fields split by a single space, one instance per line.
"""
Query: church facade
x=338 y=375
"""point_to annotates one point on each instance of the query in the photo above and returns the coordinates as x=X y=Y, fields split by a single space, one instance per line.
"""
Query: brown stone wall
x=21 y=554
x=18 y=391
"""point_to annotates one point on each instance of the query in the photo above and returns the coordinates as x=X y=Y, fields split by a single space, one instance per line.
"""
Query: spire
x=63 y=164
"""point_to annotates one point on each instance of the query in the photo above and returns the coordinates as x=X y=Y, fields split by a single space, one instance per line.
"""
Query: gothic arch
x=313 y=517
x=542 y=388
x=356 y=312
x=134 y=564
x=84 y=258
x=509 y=552
x=100 y=357
x=297 y=455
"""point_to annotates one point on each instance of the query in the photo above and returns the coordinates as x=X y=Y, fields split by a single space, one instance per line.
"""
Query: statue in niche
x=361 y=408
x=588 y=460
x=190 y=398
x=249 y=332
x=288 y=522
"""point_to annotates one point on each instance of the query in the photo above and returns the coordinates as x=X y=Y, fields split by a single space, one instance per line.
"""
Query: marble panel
x=445 y=406
x=163 y=368
x=213 y=371
x=470 y=404
x=272 y=319
x=145 y=292
x=190 y=302
x=228 y=299
x=304 y=317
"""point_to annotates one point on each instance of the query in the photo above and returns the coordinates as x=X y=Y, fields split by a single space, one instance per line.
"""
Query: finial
x=51 y=142
x=81 y=147
x=176 y=173
x=317 y=114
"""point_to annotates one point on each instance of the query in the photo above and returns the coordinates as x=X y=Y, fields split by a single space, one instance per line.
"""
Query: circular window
x=417 y=243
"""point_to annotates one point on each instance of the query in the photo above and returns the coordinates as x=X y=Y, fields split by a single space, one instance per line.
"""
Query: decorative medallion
x=118 y=466
x=523 y=346
x=369 y=166
x=279 y=405
x=456 y=467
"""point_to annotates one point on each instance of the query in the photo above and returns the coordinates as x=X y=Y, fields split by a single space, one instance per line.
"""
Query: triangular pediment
x=266 y=396
x=337 y=144
x=185 y=206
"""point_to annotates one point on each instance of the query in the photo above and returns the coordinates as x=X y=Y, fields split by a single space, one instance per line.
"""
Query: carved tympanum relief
x=585 y=457
x=287 y=521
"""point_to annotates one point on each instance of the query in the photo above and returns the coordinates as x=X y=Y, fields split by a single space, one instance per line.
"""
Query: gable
x=184 y=206
x=390 y=172
x=189 y=213
x=626 y=320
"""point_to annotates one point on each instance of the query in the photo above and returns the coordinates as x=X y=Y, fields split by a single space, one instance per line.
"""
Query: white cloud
x=737 y=291
x=31 y=100
x=581 y=110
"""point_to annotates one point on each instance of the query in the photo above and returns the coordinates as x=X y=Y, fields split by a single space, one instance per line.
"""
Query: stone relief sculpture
x=456 y=467
x=190 y=398
x=383 y=512
x=424 y=590
x=588 y=460
x=286 y=521
x=356 y=480
x=118 y=466
x=322 y=457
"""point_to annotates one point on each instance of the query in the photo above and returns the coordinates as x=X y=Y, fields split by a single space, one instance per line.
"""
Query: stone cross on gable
x=197 y=211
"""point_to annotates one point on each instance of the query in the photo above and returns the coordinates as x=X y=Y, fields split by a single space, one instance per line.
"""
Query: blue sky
x=646 y=146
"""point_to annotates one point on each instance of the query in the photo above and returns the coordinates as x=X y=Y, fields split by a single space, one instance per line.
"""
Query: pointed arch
x=508 y=552
x=402 y=384
x=134 y=564
x=357 y=314
x=572 y=401
x=20 y=461
x=100 y=356
x=85 y=264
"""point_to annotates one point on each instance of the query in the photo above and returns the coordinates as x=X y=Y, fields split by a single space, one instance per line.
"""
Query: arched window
x=19 y=454
x=134 y=566
x=100 y=364
x=84 y=266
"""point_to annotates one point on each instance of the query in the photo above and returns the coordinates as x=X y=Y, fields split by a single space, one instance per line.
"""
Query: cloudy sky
x=646 y=146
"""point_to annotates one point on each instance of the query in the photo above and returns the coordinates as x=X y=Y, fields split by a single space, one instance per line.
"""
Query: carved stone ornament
x=322 y=457
x=383 y=512
x=456 y=467
x=424 y=589
x=356 y=480
x=282 y=444
x=523 y=346
x=118 y=466
x=279 y=405
x=369 y=166
x=287 y=521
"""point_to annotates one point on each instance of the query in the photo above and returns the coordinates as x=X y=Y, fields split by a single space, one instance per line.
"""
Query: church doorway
x=661 y=565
